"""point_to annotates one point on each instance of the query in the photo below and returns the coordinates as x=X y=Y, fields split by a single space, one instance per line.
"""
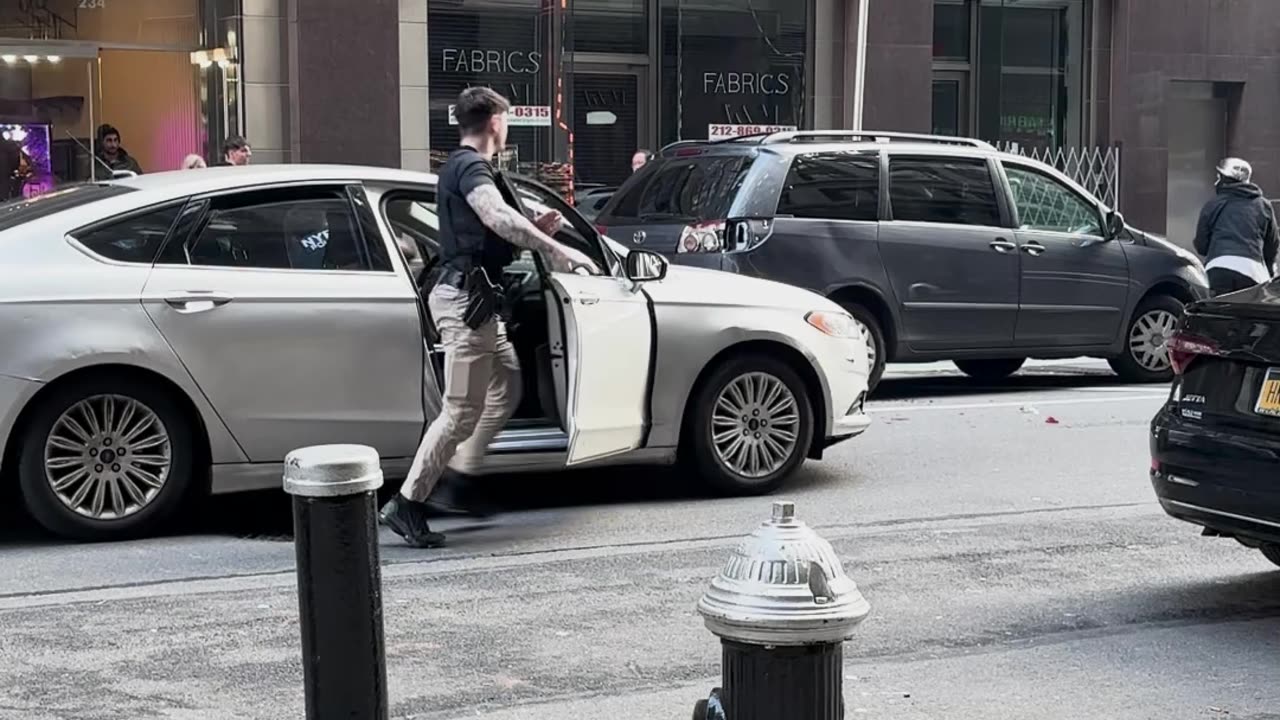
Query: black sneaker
x=408 y=519
x=455 y=495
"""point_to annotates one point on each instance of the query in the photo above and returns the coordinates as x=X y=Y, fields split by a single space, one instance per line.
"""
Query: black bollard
x=339 y=580
x=782 y=607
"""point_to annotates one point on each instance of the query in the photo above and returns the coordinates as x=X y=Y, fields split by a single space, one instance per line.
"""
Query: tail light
x=1183 y=349
x=725 y=235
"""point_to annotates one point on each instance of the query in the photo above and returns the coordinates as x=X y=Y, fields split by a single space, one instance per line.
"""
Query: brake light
x=704 y=237
x=724 y=235
x=688 y=152
x=1183 y=349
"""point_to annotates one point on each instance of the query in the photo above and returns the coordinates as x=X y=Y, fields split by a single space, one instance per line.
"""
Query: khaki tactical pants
x=482 y=387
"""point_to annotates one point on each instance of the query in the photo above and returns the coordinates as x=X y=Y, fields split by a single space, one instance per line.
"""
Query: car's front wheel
x=105 y=459
x=1146 y=358
x=750 y=426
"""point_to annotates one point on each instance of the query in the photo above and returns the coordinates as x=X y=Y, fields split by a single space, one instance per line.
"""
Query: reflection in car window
x=955 y=191
x=576 y=232
x=312 y=230
x=833 y=186
x=135 y=239
x=682 y=190
x=1045 y=204
x=23 y=210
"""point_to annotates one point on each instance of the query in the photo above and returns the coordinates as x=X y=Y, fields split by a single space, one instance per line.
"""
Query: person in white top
x=1237 y=233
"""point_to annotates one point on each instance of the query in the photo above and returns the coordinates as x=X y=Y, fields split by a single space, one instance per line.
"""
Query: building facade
x=1137 y=98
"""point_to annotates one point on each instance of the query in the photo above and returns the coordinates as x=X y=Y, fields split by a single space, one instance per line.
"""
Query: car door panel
x=290 y=358
x=609 y=344
x=1075 y=283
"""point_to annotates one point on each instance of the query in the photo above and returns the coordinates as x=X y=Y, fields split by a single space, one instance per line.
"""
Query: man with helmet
x=1237 y=233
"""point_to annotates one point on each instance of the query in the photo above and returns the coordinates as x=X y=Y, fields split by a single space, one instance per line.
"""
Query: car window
x=955 y=191
x=22 y=210
x=135 y=239
x=576 y=231
x=682 y=190
x=1046 y=204
x=295 y=229
x=833 y=186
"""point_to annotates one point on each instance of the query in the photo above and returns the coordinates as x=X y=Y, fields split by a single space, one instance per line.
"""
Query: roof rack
x=757 y=137
x=873 y=136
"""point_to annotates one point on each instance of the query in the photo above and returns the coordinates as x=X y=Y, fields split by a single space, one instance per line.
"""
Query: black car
x=1215 y=445
x=943 y=248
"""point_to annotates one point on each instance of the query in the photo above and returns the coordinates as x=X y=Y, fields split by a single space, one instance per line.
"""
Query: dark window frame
x=107 y=223
x=873 y=158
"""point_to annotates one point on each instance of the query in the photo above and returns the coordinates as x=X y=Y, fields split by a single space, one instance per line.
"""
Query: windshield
x=24 y=210
x=681 y=190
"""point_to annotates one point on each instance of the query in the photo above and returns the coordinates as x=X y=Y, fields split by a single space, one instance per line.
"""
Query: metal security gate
x=1097 y=169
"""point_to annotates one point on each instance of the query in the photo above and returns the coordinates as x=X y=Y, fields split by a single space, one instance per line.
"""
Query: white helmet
x=1235 y=169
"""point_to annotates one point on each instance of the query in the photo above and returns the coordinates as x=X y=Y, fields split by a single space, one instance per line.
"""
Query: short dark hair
x=476 y=106
x=104 y=130
x=233 y=143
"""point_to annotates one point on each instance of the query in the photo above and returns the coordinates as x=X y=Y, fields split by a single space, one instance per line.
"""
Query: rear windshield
x=680 y=190
x=24 y=210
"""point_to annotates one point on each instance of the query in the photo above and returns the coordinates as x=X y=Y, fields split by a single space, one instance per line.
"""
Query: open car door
x=608 y=327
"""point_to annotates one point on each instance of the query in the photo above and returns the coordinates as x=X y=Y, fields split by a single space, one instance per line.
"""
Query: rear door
x=652 y=209
x=951 y=258
x=1075 y=282
x=287 y=311
x=609 y=341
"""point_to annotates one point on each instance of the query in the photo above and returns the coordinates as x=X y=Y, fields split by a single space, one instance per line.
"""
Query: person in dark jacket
x=1237 y=233
x=235 y=151
x=112 y=154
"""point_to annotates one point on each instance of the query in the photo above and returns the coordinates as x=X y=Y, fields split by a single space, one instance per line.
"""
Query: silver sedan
x=179 y=333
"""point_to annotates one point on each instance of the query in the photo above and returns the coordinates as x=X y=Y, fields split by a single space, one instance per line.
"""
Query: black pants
x=1223 y=281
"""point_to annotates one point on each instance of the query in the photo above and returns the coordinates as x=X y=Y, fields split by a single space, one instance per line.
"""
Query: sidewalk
x=1116 y=675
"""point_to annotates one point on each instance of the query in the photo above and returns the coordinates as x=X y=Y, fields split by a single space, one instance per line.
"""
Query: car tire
x=879 y=351
x=1271 y=552
x=746 y=384
x=61 y=443
x=1153 y=321
x=990 y=370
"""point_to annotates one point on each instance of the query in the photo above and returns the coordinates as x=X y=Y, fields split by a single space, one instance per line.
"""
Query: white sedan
x=179 y=333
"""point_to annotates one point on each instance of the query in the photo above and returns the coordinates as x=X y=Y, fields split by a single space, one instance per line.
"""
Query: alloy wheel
x=107 y=457
x=1148 y=338
x=755 y=425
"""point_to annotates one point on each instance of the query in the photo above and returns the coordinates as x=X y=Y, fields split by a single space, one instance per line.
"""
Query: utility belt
x=483 y=297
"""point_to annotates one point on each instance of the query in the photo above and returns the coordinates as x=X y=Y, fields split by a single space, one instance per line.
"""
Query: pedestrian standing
x=1237 y=233
x=478 y=230
x=112 y=154
x=235 y=151
x=639 y=159
x=193 y=162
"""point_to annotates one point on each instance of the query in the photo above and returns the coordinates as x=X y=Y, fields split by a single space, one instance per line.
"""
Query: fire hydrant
x=782 y=608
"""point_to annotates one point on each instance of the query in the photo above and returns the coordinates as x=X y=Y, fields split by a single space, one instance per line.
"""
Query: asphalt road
x=1006 y=536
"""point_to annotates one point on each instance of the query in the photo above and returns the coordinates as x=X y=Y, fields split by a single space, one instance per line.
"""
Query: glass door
x=951 y=104
x=608 y=124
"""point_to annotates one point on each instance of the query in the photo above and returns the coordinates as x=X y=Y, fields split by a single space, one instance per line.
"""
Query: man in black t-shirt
x=482 y=375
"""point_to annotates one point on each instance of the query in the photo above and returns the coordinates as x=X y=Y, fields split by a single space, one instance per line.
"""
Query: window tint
x=833 y=186
x=16 y=212
x=1045 y=204
x=957 y=191
x=576 y=232
x=303 y=229
x=682 y=190
x=135 y=239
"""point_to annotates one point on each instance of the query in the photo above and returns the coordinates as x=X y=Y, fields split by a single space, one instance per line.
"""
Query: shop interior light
x=54 y=59
x=11 y=59
x=33 y=59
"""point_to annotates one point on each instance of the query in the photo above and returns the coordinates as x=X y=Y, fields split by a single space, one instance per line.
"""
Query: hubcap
x=107 y=457
x=755 y=425
x=1148 y=338
x=871 y=345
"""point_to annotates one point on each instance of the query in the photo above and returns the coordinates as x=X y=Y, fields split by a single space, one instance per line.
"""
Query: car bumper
x=1222 y=479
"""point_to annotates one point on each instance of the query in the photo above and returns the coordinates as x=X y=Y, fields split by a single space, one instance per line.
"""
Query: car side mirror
x=1115 y=224
x=645 y=266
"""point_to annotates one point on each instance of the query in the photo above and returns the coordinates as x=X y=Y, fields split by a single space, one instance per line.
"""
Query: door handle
x=1034 y=249
x=197 y=300
x=588 y=299
x=1003 y=246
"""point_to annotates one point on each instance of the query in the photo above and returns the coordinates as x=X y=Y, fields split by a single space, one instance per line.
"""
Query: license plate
x=1269 y=396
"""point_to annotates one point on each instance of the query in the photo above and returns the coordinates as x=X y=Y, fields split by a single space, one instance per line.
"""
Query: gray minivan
x=943 y=248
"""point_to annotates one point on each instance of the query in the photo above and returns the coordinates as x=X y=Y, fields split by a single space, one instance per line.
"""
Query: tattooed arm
x=518 y=230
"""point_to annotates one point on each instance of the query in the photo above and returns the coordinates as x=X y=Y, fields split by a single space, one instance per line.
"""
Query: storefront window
x=500 y=44
x=1024 y=79
x=731 y=67
x=610 y=26
x=71 y=68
